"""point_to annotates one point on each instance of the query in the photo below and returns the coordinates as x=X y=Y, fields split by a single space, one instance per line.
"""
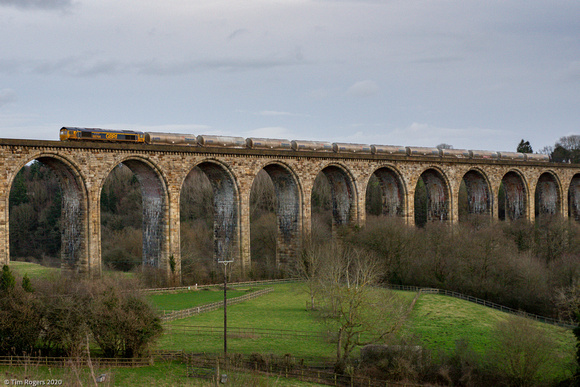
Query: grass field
x=281 y=323
x=33 y=270
x=161 y=374
x=437 y=321
x=284 y=309
x=441 y=320
x=189 y=299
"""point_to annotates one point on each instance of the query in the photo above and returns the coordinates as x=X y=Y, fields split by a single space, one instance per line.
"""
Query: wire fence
x=244 y=332
x=216 y=367
x=184 y=313
x=482 y=302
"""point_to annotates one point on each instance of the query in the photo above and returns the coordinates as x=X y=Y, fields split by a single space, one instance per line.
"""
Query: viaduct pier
x=531 y=187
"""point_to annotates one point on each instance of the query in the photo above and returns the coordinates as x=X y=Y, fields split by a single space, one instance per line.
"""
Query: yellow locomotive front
x=68 y=134
x=95 y=134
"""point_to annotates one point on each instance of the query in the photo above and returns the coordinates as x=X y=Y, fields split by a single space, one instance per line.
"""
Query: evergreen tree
x=525 y=147
x=18 y=193
x=7 y=280
x=26 y=284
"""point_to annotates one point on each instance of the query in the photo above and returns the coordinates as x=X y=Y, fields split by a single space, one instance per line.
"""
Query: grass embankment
x=257 y=326
x=33 y=270
x=440 y=321
x=192 y=298
x=273 y=323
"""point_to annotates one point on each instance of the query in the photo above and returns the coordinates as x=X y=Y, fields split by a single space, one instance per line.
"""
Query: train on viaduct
x=533 y=186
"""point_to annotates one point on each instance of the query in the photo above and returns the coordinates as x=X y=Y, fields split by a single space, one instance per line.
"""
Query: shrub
x=59 y=315
x=123 y=324
x=522 y=351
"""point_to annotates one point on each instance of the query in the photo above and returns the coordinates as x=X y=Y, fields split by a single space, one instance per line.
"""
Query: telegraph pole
x=225 y=263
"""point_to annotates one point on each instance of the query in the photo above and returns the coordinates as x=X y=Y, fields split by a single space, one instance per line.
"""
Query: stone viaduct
x=531 y=187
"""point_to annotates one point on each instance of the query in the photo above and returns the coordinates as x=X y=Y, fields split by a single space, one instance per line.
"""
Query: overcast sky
x=474 y=74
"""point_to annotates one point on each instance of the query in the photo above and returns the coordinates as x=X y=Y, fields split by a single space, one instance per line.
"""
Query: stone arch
x=437 y=206
x=515 y=200
x=155 y=209
x=74 y=218
x=548 y=195
x=226 y=208
x=393 y=191
x=343 y=194
x=288 y=210
x=479 y=196
x=574 y=198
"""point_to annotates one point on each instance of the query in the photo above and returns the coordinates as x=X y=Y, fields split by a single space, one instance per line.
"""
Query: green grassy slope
x=33 y=270
x=189 y=299
x=438 y=321
x=284 y=309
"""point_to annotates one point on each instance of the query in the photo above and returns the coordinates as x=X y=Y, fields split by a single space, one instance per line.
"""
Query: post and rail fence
x=184 y=313
x=231 y=284
x=53 y=361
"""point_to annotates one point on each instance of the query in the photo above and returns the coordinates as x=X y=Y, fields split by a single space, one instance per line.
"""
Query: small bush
x=522 y=352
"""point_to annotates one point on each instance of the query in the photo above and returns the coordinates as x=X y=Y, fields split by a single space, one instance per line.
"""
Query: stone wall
x=161 y=170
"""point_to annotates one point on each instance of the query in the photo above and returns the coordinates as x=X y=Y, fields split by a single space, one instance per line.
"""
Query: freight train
x=95 y=134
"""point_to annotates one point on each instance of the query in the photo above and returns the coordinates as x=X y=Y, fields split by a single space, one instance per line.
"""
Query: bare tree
x=567 y=301
x=309 y=266
x=351 y=305
x=523 y=351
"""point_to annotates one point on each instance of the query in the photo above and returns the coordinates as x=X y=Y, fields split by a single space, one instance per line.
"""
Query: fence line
x=232 y=284
x=319 y=370
x=244 y=331
x=485 y=303
x=68 y=361
x=184 y=313
x=208 y=367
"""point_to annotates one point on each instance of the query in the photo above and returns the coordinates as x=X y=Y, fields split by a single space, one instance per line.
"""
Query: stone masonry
x=82 y=168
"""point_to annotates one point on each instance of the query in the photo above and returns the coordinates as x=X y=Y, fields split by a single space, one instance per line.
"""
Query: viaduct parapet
x=531 y=187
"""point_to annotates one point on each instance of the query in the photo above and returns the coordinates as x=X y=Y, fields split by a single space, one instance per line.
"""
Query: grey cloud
x=228 y=65
x=237 y=33
x=380 y=2
x=78 y=67
x=438 y=59
x=273 y=113
x=90 y=67
x=7 y=96
x=72 y=66
x=37 y=4
x=363 y=89
x=572 y=73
